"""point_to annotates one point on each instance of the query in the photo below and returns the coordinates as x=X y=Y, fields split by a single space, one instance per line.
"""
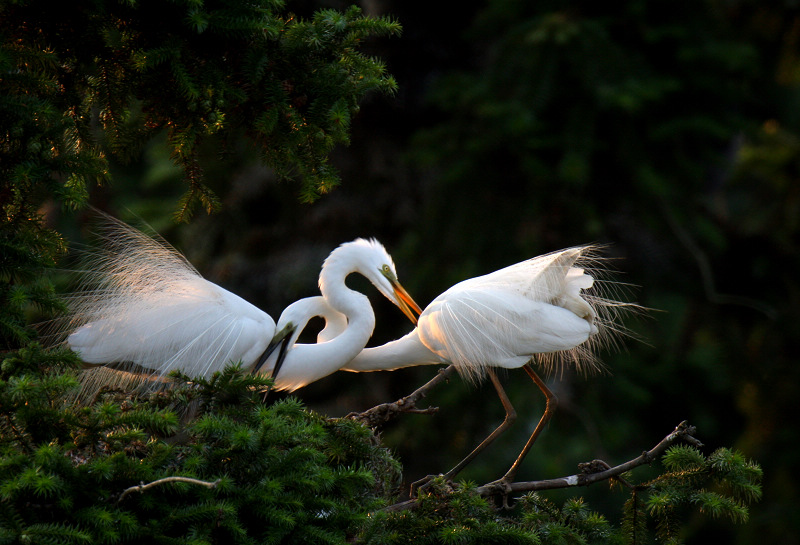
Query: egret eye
x=386 y=269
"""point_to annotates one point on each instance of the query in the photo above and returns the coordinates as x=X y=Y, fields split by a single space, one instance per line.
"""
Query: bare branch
x=385 y=412
x=591 y=472
x=142 y=487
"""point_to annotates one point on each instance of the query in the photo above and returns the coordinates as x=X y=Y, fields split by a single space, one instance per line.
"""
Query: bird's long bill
x=406 y=303
x=281 y=357
x=281 y=337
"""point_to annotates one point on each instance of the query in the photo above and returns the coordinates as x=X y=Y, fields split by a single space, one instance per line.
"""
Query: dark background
x=667 y=130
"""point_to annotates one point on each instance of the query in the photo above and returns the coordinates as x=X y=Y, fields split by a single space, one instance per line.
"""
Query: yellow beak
x=405 y=302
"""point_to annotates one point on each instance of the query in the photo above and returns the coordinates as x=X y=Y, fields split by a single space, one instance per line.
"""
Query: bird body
x=501 y=319
x=541 y=309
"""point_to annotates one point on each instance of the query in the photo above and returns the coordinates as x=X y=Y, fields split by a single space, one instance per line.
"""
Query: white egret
x=143 y=304
x=542 y=309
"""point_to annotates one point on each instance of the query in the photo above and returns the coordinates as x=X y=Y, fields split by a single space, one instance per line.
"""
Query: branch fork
x=386 y=412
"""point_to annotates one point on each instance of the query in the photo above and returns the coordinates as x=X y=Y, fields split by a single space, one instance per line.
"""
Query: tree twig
x=385 y=412
x=589 y=475
x=591 y=472
x=142 y=487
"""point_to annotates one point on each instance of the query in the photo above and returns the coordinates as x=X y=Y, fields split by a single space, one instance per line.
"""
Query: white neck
x=306 y=363
x=404 y=352
x=336 y=293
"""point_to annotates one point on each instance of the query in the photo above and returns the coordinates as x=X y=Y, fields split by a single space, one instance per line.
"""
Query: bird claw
x=442 y=483
x=500 y=487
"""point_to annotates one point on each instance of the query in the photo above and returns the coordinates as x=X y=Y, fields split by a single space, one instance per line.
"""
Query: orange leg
x=511 y=415
x=549 y=409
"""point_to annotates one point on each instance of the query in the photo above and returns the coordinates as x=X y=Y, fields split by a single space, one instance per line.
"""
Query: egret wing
x=503 y=318
x=197 y=330
x=542 y=278
x=142 y=302
x=496 y=328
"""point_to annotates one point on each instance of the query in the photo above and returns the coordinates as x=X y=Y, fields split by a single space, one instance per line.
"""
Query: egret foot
x=500 y=487
x=440 y=483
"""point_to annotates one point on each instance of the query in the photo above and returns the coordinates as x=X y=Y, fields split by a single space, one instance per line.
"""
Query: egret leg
x=549 y=409
x=511 y=415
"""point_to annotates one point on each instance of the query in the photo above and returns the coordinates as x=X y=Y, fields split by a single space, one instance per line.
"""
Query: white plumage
x=544 y=307
x=503 y=318
x=142 y=302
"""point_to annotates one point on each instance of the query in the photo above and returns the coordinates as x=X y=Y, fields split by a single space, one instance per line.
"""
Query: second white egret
x=544 y=309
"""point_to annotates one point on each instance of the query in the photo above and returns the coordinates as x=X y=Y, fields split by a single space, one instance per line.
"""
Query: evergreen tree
x=88 y=78
x=130 y=472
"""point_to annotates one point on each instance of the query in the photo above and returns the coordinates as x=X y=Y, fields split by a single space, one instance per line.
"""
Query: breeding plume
x=546 y=309
x=144 y=307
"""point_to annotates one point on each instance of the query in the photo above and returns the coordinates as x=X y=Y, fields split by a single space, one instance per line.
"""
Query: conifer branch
x=142 y=487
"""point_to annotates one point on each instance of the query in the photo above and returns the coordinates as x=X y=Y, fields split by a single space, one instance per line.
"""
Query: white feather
x=141 y=302
x=144 y=307
x=545 y=308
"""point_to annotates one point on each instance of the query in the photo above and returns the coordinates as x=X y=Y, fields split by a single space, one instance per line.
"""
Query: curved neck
x=306 y=363
x=336 y=293
x=404 y=352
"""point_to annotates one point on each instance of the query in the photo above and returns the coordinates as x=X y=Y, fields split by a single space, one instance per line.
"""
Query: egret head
x=370 y=258
x=399 y=295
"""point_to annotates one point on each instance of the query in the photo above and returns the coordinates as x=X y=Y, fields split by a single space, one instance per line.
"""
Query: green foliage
x=283 y=474
x=442 y=516
x=278 y=473
x=574 y=522
x=26 y=248
x=720 y=485
x=194 y=69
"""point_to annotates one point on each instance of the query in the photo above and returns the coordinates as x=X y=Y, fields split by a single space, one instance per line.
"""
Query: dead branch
x=385 y=412
x=142 y=487
x=590 y=472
